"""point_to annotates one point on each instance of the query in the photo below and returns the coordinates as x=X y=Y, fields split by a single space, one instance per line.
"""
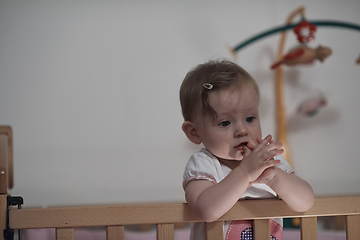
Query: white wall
x=91 y=91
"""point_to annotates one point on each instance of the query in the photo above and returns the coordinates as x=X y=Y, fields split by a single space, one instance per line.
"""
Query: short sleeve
x=284 y=165
x=201 y=165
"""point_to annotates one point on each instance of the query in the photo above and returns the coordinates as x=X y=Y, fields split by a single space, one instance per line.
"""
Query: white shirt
x=204 y=165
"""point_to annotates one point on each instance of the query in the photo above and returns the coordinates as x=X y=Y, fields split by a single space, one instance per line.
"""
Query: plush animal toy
x=303 y=55
x=311 y=106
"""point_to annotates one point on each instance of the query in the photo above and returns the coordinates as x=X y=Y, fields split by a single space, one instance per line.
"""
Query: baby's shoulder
x=203 y=157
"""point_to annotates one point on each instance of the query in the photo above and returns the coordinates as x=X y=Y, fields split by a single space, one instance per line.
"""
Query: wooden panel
x=64 y=234
x=308 y=228
x=171 y=213
x=214 y=230
x=352 y=227
x=165 y=231
x=261 y=229
x=115 y=233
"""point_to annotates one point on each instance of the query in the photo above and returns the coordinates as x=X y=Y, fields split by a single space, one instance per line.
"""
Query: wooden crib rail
x=64 y=219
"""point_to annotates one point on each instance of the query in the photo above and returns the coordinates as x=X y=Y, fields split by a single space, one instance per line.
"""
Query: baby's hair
x=214 y=75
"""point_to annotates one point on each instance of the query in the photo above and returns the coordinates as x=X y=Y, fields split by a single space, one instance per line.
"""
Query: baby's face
x=236 y=125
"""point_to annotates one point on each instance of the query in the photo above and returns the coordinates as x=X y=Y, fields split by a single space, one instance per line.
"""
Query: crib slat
x=64 y=234
x=115 y=233
x=214 y=230
x=165 y=231
x=352 y=227
x=261 y=229
x=308 y=228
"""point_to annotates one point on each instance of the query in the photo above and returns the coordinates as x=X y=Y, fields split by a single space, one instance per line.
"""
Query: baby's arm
x=210 y=201
x=293 y=190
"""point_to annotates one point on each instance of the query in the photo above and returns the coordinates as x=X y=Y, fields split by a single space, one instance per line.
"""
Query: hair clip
x=208 y=86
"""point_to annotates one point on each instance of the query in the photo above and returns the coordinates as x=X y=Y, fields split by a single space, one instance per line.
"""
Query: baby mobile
x=301 y=54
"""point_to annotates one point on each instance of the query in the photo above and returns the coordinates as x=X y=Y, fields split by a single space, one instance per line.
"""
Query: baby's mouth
x=241 y=147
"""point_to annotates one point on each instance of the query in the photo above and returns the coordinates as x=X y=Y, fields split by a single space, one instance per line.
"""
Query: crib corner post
x=3 y=214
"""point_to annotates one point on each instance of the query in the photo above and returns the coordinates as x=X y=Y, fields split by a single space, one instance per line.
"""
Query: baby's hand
x=260 y=157
x=266 y=176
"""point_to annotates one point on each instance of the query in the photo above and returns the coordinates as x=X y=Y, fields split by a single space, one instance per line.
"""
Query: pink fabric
x=243 y=230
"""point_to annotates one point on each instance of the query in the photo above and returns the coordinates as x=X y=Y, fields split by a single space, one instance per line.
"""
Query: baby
x=219 y=102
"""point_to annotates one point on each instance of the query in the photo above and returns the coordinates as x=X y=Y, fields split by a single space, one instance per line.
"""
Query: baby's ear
x=190 y=131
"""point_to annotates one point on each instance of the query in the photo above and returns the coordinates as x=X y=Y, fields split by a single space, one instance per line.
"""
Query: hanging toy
x=311 y=106
x=305 y=32
x=303 y=55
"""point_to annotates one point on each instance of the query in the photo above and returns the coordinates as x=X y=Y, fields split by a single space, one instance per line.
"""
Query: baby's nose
x=241 y=130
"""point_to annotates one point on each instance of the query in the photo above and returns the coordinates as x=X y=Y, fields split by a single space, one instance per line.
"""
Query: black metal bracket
x=12 y=201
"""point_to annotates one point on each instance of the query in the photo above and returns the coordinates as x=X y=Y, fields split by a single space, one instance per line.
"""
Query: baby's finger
x=268 y=155
x=251 y=146
x=272 y=163
x=274 y=145
x=247 y=151
x=264 y=142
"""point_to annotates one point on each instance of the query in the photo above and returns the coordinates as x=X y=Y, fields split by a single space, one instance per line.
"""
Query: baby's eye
x=250 y=119
x=225 y=123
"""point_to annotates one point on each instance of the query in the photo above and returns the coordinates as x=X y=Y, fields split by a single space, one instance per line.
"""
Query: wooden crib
x=164 y=215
